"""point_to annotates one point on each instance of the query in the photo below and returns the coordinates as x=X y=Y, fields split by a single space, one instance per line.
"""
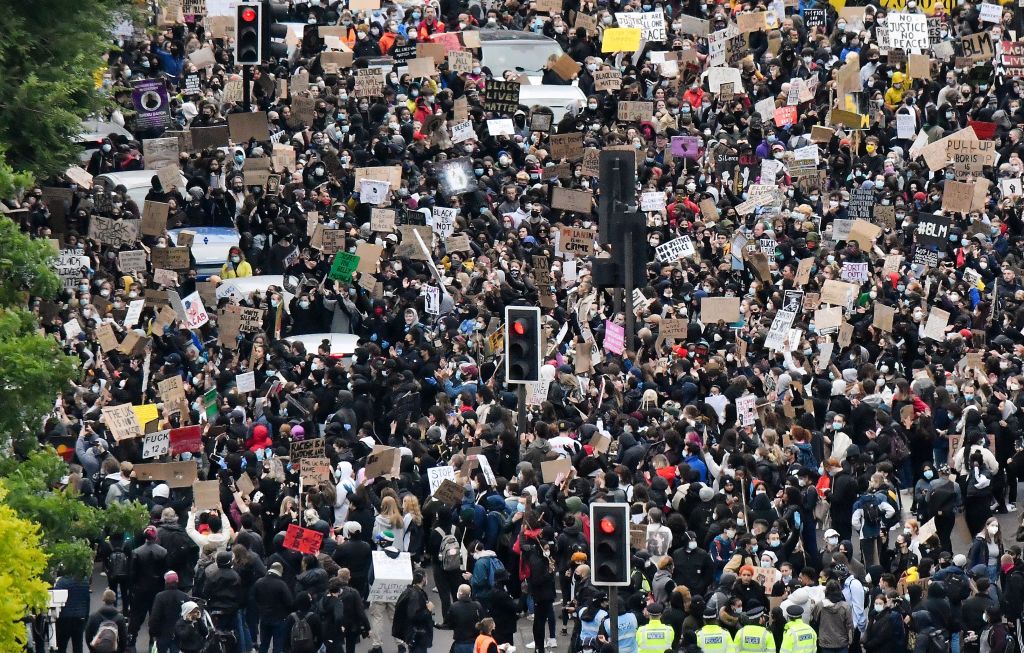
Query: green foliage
x=68 y=525
x=12 y=182
x=22 y=563
x=49 y=54
x=25 y=265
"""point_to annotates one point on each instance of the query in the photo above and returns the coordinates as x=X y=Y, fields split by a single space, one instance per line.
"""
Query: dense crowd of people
x=820 y=393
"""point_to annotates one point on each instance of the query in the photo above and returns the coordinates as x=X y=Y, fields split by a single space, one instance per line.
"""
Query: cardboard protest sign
x=121 y=422
x=935 y=326
x=551 y=469
x=206 y=495
x=170 y=258
x=607 y=80
x=300 y=449
x=314 y=470
x=175 y=475
x=635 y=111
x=882 y=318
x=715 y=309
x=113 y=232
x=449 y=492
x=577 y=242
x=381 y=463
x=957 y=197
x=567 y=146
x=245 y=126
x=566 y=199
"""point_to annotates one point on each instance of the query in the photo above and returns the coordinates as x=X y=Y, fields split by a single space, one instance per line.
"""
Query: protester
x=822 y=337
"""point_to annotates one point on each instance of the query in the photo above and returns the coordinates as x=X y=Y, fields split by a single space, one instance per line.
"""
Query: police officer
x=591 y=617
x=655 y=637
x=753 y=637
x=712 y=638
x=797 y=636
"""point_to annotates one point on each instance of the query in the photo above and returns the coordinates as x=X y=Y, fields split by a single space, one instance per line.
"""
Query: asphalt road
x=443 y=638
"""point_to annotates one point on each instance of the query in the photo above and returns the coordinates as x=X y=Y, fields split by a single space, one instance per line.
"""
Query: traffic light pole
x=628 y=291
x=613 y=615
x=521 y=407
x=246 y=84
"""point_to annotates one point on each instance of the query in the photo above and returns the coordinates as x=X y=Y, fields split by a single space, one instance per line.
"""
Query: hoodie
x=346 y=485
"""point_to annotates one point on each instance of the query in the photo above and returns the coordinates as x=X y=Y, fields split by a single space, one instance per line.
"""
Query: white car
x=210 y=247
x=137 y=182
x=342 y=344
x=244 y=286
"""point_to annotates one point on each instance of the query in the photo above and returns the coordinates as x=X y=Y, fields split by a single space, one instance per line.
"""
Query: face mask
x=416 y=15
x=837 y=426
x=691 y=546
x=239 y=159
x=274 y=303
x=607 y=20
x=929 y=474
x=968 y=397
x=104 y=293
x=691 y=187
x=106 y=148
x=774 y=543
x=879 y=607
x=833 y=541
x=993 y=529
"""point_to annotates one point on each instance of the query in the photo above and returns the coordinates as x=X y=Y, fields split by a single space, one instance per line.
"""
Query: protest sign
x=304 y=540
x=121 y=422
x=391 y=576
x=300 y=449
x=175 y=475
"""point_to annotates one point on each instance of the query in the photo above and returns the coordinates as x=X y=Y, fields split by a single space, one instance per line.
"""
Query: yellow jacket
x=229 y=271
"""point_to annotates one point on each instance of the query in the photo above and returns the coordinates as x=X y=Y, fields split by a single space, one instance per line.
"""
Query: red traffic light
x=519 y=327
x=248 y=15
x=607 y=525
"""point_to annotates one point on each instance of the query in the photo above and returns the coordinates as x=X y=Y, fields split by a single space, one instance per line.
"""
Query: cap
x=754 y=612
x=831 y=533
x=710 y=612
x=162 y=491
x=171 y=577
x=277 y=569
x=706 y=494
x=795 y=611
x=960 y=560
x=655 y=608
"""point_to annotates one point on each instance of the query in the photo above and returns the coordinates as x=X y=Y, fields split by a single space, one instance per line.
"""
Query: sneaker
x=1011 y=507
x=551 y=643
x=531 y=645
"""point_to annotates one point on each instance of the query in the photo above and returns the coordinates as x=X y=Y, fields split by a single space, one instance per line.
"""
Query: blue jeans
x=244 y=636
x=954 y=642
x=272 y=630
x=464 y=647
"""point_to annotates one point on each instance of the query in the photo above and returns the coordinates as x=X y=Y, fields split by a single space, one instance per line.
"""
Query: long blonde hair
x=411 y=508
x=389 y=510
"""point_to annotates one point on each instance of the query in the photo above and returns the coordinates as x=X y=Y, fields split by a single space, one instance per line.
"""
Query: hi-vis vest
x=482 y=643
x=589 y=629
x=655 y=637
x=754 y=639
x=799 y=637
x=714 y=639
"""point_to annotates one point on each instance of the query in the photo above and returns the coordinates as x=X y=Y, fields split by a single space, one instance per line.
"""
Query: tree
x=22 y=564
x=51 y=52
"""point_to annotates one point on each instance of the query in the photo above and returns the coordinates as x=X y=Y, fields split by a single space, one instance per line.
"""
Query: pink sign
x=614 y=337
x=686 y=147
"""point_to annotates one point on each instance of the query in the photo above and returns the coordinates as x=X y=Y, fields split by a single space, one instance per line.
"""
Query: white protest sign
x=651 y=24
x=674 y=250
x=131 y=318
x=990 y=13
x=373 y=192
x=195 y=313
x=908 y=31
x=432 y=299
x=390 y=577
x=746 y=409
x=652 y=201
x=463 y=131
x=436 y=475
x=485 y=467
x=246 y=382
x=444 y=220
x=501 y=127
x=156 y=444
x=906 y=125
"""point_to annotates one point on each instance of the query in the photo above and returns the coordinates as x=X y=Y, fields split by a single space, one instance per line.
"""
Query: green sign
x=343 y=266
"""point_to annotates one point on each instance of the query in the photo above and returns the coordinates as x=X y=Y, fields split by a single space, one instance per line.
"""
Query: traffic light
x=275 y=14
x=522 y=344
x=609 y=544
x=249 y=34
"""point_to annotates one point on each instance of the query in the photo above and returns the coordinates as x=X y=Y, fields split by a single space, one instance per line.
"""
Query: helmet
x=898 y=78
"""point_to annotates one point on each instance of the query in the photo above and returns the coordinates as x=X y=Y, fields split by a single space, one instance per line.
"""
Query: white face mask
x=993 y=529
x=691 y=546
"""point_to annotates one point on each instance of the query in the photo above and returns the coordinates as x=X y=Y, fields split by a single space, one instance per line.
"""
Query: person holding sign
x=236 y=265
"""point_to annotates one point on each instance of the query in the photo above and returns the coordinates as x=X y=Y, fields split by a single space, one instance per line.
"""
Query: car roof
x=492 y=35
x=552 y=91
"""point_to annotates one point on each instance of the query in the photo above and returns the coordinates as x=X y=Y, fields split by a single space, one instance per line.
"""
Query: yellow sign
x=146 y=413
x=927 y=6
x=621 y=39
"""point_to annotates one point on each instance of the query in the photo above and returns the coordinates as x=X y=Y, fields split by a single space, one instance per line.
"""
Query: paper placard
x=577 y=201
x=121 y=422
x=715 y=309
x=206 y=495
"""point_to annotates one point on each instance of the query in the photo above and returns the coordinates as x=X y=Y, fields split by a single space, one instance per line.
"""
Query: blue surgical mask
x=837 y=426
x=239 y=159
x=416 y=15
x=929 y=474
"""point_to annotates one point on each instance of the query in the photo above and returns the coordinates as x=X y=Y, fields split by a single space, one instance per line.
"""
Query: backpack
x=1010 y=644
x=105 y=639
x=937 y=641
x=450 y=553
x=957 y=588
x=898 y=449
x=301 y=639
x=117 y=564
x=493 y=565
x=872 y=514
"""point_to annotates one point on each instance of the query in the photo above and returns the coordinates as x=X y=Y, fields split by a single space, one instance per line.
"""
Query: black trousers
x=70 y=629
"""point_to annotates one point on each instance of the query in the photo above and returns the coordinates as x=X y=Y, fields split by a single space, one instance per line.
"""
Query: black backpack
x=957 y=588
x=117 y=564
x=302 y=639
x=872 y=514
x=938 y=641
